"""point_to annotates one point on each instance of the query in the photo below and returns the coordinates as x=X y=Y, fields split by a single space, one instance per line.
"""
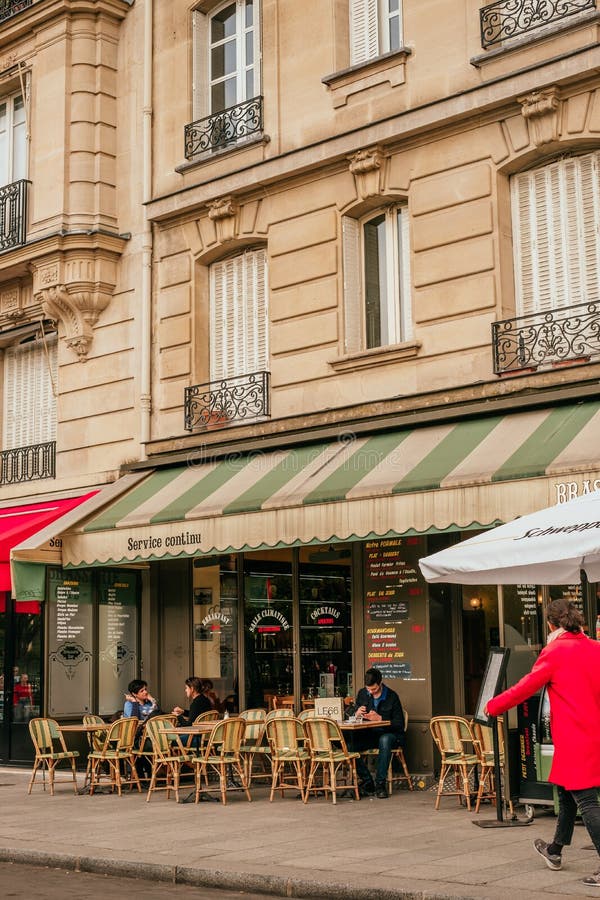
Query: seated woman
x=209 y=692
x=199 y=702
x=138 y=702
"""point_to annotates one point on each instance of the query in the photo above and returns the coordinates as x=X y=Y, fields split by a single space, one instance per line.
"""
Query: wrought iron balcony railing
x=218 y=402
x=13 y=214
x=10 y=8
x=225 y=127
x=509 y=18
x=28 y=463
x=546 y=338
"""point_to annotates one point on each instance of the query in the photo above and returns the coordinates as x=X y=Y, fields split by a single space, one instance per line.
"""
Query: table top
x=356 y=726
x=201 y=728
x=101 y=726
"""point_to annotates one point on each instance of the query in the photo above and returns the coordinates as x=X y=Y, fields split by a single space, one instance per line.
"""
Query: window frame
x=13 y=170
x=398 y=300
x=372 y=38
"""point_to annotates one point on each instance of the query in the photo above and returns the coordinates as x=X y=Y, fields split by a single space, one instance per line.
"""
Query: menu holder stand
x=491 y=685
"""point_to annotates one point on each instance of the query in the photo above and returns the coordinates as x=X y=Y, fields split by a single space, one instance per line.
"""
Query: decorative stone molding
x=11 y=302
x=542 y=110
x=367 y=168
x=73 y=288
x=224 y=213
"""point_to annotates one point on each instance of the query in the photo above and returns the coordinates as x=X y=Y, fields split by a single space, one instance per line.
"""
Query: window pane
x=395 y=33
x=250 y=13
x=215 y=605
x=223 y=60
x=249 y=84
x=394 y=5
x=249 y=48
x=223 y=24
x=223 y=95
x=375 y=282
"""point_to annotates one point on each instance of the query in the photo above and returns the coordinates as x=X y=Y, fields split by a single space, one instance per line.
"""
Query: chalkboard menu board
x=70 y=642
x=395 y=608
x=117 y=637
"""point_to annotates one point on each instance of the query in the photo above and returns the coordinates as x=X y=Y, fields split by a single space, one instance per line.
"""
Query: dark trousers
x=568 y=803
x=385 y=741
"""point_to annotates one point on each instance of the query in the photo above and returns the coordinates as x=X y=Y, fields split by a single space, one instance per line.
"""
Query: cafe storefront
x=282 y=574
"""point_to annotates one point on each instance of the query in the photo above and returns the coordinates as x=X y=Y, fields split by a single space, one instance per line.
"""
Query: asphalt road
x=25 y=882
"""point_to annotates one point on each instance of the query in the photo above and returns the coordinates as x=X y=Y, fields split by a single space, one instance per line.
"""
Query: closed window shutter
x=364 y=30
x=353 y=313
x=30 y=373
x=556 y=216
x=239 y=316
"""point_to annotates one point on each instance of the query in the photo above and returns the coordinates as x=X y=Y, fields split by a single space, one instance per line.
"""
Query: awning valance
x=456 y=475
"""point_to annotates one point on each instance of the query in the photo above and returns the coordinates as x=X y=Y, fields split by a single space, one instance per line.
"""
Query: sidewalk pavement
x=385 y=849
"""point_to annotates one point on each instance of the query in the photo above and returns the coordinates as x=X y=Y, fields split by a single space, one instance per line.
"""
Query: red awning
x=19 y=522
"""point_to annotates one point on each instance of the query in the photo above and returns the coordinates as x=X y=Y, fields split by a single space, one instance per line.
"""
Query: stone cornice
x=455 y=112
x=15 y=262
x=41 y=11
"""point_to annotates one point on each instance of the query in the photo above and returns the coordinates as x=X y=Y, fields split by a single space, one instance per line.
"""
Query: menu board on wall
x=70 y=613
x=117 y=638
x=395 y=608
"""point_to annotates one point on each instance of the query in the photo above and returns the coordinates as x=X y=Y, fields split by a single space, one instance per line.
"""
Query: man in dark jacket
x=374 y=703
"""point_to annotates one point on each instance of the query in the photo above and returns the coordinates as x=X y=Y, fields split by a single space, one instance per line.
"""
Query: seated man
x=376 y=702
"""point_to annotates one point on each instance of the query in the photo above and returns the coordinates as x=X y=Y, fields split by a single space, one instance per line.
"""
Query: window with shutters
x=378 y=311
x=29 y=397
x=556 y=234
x=226 y=56
x=238 y=316
x=375 y=28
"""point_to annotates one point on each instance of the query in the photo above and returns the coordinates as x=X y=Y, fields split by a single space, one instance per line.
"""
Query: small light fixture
x=476 y=603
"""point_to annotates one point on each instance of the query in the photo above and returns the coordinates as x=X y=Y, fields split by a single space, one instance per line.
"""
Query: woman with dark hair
x=570 y=666
x=198 y=702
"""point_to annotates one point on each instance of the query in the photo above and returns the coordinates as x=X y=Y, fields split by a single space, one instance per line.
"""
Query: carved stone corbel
x=542 y=111
x=77 y=310
x=224 y=213
x=73 y=287
x=367 y=168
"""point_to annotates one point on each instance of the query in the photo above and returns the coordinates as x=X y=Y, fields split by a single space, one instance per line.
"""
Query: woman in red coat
x=570 y=666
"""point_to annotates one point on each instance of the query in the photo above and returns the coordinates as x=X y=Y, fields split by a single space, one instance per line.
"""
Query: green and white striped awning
x=451 y=476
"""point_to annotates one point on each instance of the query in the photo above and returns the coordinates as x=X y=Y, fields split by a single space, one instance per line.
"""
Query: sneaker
x=593 y=880
x=381 y=790
x=553 y=861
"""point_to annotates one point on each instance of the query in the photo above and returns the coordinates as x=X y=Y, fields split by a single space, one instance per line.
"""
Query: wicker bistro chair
x=118 y=750
x=397 y=755
x=484 y=748
x=143 y=747
x=50 y=750
x=168 y=756
x=222 y=751
x=453 y=737
x=289 y=756
x=280 y=713
x=328 y=751
x=95 y=739
x=255 y=744
x=196 y=743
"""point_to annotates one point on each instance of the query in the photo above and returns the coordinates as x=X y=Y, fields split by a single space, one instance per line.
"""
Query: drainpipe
x=146 y=304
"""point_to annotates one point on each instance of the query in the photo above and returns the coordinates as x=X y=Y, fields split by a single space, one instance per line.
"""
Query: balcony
x=13 y=214
x=28 y=463
x=556 y=337
x=216 y=403
x=222 y=129
x=511 y=18
x=9 y=8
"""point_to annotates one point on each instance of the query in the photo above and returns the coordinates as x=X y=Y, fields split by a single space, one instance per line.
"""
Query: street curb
x=213 y=878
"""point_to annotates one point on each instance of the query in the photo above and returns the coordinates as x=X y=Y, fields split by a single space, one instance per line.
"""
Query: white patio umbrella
x=550 y=546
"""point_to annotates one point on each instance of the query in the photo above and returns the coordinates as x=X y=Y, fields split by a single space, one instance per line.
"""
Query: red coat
x=570 y=666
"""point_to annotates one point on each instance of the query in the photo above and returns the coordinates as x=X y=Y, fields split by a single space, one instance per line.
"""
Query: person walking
x=569 y=666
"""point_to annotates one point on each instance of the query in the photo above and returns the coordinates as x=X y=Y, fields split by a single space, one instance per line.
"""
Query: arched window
x=378 y=310
x=556 y=234
x=238 y=315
